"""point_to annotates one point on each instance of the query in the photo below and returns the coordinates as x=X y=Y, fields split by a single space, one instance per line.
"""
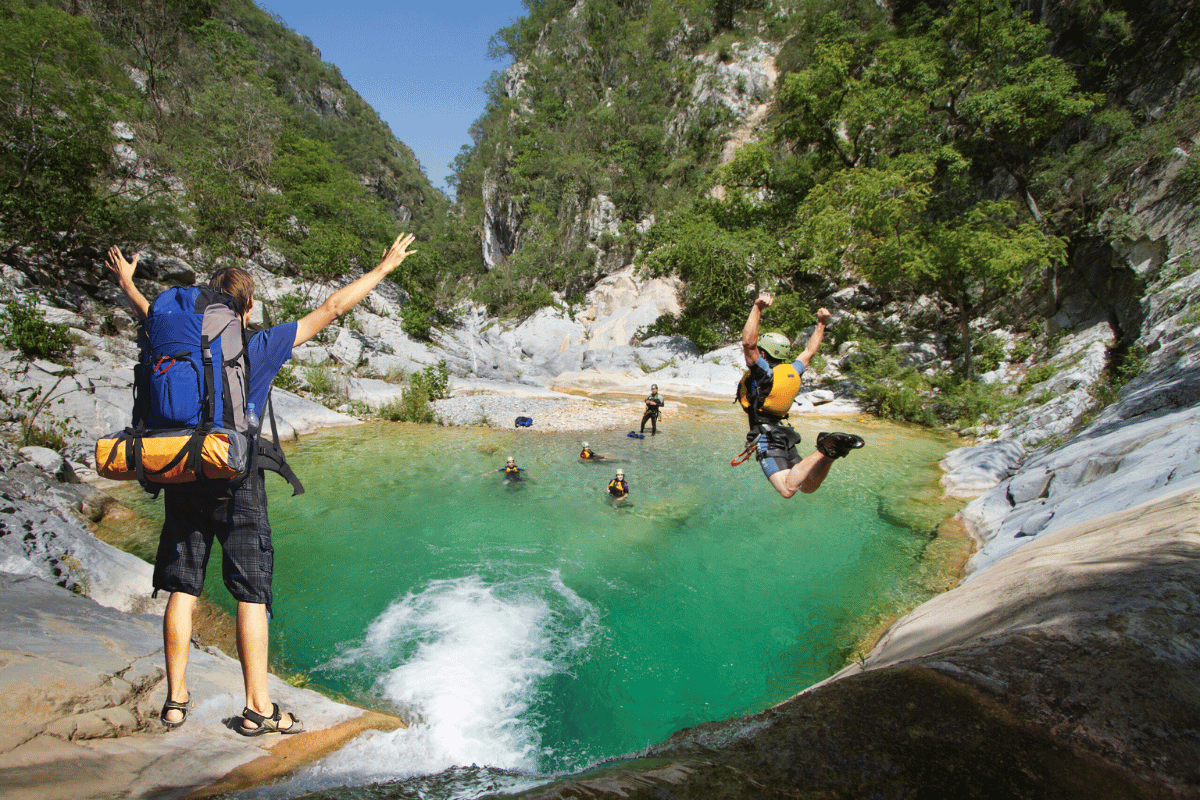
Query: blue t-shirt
x=268 y=351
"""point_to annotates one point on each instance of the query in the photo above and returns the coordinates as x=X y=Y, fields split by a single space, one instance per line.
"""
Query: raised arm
x=351 y=294
x=123 y=269
x=814 y=341
x=750 y=332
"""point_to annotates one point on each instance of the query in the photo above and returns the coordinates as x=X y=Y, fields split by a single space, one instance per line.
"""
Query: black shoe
x=837 y=445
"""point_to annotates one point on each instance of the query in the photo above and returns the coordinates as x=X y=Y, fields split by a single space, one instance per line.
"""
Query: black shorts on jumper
x=237 y=518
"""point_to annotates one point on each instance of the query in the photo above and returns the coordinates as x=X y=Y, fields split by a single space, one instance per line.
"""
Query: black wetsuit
x=653 y=403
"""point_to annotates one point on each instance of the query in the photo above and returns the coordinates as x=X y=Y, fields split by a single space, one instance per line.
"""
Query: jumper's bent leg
x=806 y=477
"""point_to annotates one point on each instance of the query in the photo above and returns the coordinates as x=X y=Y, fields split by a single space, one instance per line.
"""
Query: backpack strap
x=207 y=401
x=270 y=455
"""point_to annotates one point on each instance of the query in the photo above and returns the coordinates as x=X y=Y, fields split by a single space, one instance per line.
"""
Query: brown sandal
x=172 y=705
x=268 y=724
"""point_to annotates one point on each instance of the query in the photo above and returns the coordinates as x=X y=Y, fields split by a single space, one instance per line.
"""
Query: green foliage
x=59 y=184
x=286 y=379
x=895 y=391
x=320 y=380
x=1188 y=179
x=289 y=308
x=413 y=406
x=889 y=389
x=723 y=266
x=30 y=334
x=25 y=405
x=425 y=386
x=1021 y=351
x=224 y=101
x=989 y=352
x=418 y=318
x=433 y=381
x=324 y=217
x=1037 y=374
x=603 y=109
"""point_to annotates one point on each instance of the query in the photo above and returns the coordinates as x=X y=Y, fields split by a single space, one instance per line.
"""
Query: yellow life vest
x=617 y=488
x=586 y=453
x=513 y=470
x=784 y=388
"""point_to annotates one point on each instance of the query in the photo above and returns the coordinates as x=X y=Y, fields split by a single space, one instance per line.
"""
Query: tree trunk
x=964 y=330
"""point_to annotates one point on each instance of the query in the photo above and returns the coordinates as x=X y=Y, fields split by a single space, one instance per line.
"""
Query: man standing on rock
x=767 y=393
x=236 y=515
x=653 y=404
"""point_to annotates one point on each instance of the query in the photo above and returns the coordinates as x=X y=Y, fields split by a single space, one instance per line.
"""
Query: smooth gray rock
x=45 y=459
x=41 y=536
x=295 y=415
x=1029 y=485
x=81 y=686
x=970 y=471
x=372 y=392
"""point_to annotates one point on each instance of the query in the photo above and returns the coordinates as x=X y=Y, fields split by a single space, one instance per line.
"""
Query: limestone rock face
x=1105 y=470
x=970 y=471
x=501 y=222
x=41 y=535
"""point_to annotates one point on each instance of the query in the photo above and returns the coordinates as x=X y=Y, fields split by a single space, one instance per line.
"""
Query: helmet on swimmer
x=510 y=458
x=775 y=345
x=620 y=473
x=585 y=444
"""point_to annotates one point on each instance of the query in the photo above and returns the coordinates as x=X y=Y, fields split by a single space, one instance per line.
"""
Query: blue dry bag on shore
x=523 y=422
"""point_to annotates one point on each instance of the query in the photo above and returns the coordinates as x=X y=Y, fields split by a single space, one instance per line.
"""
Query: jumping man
x=767 y=393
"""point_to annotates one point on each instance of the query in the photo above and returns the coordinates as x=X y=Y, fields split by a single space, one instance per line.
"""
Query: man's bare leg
x=806 y=477
x=252 y=638
x=177 y=641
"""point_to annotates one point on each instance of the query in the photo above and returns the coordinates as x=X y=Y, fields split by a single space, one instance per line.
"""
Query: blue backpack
x=193 y=371
x=190 y=388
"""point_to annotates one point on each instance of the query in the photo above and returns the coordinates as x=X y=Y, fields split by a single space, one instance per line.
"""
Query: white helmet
x=620 y=473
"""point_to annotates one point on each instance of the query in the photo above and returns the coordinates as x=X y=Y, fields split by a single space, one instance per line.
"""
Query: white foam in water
x=473 y=656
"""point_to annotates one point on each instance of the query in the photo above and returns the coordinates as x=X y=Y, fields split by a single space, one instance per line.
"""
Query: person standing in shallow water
x=236 y=515
x=767 y=393
x=654 y=403
x=618 y=488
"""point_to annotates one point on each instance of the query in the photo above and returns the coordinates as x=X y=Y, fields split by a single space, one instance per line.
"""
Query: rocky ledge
x=81 y=675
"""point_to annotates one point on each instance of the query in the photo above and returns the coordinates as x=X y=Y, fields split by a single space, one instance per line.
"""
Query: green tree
x=56 y=116
x=152 y=31
x=723 y=268
x=228 y=146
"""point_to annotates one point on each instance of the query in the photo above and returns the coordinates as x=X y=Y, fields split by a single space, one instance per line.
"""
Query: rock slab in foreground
x=81 y=686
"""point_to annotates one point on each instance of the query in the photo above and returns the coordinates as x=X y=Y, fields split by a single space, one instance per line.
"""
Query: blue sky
x=420 y=65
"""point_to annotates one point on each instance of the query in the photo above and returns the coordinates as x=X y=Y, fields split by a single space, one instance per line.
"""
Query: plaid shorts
x=237 y=517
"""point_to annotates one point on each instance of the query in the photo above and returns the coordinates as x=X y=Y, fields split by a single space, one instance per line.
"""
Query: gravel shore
x=553 y=413
x=548 y=414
